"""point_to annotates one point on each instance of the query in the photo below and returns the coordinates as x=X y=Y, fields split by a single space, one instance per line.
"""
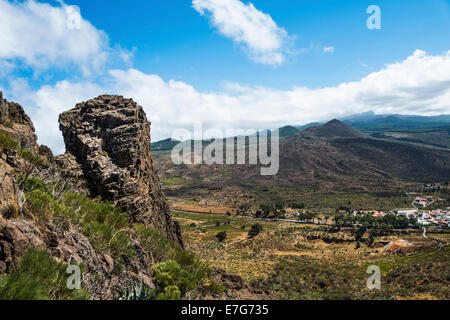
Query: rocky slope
x=108 y=155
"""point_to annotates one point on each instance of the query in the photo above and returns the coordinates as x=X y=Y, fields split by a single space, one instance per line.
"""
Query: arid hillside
x=333 y=157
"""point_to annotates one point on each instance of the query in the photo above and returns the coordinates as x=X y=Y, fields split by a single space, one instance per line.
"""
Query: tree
x=243 y=209
x=266 y=209
x=221 y=236
x=259 y=213
x=255 y=230
x=371 y=240
x=359 y=233
x=280 y=213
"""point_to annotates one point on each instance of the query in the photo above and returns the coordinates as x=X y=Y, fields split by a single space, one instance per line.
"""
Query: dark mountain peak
x=333 y=129
x=334 y=122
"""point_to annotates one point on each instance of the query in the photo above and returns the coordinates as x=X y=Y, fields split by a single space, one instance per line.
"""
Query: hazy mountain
x=288 y=131
x=398 y=122
x=166 y=144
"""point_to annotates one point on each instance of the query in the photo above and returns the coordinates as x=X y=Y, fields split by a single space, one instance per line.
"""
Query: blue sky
x=227 y=63
x=174 y=41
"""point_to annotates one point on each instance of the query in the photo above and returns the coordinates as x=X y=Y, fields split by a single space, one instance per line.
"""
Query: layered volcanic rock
x=17 y=125
x=108 y=144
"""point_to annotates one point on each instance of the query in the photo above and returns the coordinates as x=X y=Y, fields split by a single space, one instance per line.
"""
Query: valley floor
x=306 y=261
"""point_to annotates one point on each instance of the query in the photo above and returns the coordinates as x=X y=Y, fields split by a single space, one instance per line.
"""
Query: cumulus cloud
x=40 y=36
x=255 y=31
x=420 y=84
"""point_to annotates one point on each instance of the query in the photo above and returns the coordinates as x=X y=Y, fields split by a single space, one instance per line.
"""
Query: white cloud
x=329 y=49
x=40 y=36
x=255 y=31
x=419 y=84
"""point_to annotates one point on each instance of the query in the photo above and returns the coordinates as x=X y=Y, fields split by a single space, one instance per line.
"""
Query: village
x=437 y=217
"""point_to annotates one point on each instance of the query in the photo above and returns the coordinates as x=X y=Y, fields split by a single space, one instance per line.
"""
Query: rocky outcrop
x=108 y=155
x=15 y=238
x=17 y=124
x=108 y=145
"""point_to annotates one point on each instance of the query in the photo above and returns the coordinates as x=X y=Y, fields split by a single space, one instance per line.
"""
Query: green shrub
x=39 y=204
x=221 y=236
x=7 y=142
x=10 y=143
x=38 y=277
x=106 y=239
x=170 y=293
x=255 y=230
x=30 y=184
x=31 y=157
x=169 y=274
x=100 y=222
x=175 y=267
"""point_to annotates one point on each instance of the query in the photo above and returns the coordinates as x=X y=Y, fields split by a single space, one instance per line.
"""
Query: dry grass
x=257 y=259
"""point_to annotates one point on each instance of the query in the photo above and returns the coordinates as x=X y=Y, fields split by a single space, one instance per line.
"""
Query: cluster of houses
x=436 y=217
x=422 y=202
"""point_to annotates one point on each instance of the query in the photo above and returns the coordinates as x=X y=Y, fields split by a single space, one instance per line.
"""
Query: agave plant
x=134 y=292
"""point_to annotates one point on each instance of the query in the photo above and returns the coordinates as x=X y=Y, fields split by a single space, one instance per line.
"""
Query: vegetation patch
x=38 y=277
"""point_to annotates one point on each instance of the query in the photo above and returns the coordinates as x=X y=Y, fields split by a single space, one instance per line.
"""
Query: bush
x=255 y=230
x=100 y=222
x=221 y=236
x=10 y=143
x=38 y=277
x=31 y=184
x=31 y=157
x=169 y=274
x=7 y=142
x=170 y=293
x=39 y=205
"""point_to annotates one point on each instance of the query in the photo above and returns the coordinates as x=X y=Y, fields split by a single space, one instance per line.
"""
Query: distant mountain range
x=413 y=128
x=371 y=122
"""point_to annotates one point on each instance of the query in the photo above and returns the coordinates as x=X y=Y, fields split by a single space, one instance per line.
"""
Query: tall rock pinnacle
x=108 y=143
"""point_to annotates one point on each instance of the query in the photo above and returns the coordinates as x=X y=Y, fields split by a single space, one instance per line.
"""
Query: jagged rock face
x=15 y=238
x=17 y=124
x=108 y=143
